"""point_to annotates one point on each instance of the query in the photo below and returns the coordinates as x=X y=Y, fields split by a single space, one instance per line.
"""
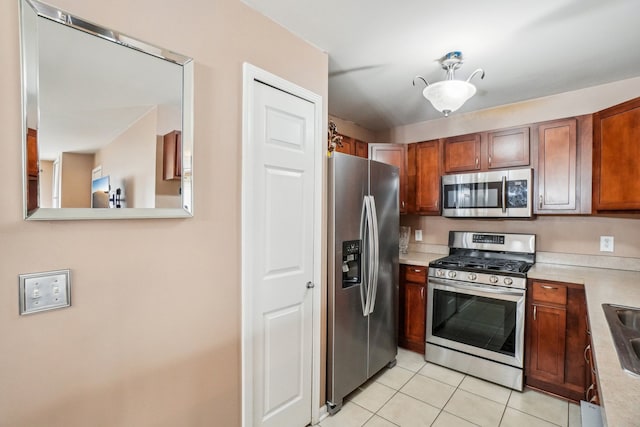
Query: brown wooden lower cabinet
x=413 y=307
x=556 y=339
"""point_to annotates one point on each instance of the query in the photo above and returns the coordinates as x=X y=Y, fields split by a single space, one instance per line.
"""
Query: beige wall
x=575 y=103
x=75 y=180
x=130 y=162
x=353 y=130
x=574 y=235
x=153 y=336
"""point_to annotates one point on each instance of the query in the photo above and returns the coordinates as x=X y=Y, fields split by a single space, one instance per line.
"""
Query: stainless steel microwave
x=495 y=194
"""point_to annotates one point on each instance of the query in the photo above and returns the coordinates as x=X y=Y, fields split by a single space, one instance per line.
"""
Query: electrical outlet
x=418 y=235
x=606 y=243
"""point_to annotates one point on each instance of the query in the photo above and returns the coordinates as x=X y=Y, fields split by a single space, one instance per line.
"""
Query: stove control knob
x=451 y=274
x=472 y=276
x=493 y=279
x=508 y=281
x=439 y=273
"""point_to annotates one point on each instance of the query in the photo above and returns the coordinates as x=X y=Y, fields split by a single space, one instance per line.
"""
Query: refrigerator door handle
x=370 y=255
x=373 y=286
x=365 y=267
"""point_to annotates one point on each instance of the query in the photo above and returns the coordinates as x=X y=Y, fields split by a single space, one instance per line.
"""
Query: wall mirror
x=108 y=122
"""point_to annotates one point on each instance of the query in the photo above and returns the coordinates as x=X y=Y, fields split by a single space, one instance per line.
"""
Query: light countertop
x=619 y=391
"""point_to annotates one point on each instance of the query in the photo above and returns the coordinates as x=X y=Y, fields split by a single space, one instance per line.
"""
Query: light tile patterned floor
x=415 y=394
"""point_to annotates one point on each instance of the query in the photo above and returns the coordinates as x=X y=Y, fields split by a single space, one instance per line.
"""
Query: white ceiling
x=528 y=49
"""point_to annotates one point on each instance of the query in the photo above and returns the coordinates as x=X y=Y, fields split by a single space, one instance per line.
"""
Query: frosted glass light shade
x=449 y=95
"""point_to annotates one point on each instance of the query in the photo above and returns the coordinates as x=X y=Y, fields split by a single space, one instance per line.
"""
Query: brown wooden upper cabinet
x=396 y=155
x=462 y=153
x=428 y=155
x=362 y=149
x=487 y=150
x=616 y=158
x=563 y=168
x=172 y=156
x=353 y=146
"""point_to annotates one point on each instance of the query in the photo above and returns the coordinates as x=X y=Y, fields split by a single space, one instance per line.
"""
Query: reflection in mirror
x=102 y=108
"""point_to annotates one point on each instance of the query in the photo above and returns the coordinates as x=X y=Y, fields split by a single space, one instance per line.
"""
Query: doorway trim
x=252 y=73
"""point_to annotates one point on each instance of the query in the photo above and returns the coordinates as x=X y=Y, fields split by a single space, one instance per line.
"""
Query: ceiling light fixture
x=450 y=94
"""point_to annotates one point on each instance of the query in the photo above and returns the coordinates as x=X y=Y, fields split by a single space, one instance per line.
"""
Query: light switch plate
x=44 y=291
x=418 y=235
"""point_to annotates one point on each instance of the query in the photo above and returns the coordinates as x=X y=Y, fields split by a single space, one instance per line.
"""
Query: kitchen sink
x=629 y=317
x=624 y=323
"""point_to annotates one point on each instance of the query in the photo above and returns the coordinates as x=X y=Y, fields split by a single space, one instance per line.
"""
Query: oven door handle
x=443 y=284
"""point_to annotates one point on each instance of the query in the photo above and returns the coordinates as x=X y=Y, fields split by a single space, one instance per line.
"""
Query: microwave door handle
x=504 y=194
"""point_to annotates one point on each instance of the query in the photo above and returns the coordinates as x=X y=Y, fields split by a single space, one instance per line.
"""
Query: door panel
x=281 y=224
x=383 y=322
x=347 y=326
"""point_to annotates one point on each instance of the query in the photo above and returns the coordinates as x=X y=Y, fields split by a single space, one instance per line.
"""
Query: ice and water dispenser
x=351 y=263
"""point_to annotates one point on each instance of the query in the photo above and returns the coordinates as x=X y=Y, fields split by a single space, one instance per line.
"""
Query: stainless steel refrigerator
x=362 y=319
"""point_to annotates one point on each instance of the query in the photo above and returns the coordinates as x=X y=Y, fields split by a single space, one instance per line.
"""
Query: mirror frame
x=62 y=17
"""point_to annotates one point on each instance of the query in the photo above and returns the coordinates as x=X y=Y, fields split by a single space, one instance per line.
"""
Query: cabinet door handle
x=422 y=293
x=477 y=162
x=549 y=287
x=403 y=204
x=541 y=200
x=489 y=160
x=416 y=270
x=535 y=310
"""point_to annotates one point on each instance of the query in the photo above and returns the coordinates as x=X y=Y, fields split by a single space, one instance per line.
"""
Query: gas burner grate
x=480 y=263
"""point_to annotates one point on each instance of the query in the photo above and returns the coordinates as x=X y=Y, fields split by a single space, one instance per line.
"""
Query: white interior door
x=279 y=214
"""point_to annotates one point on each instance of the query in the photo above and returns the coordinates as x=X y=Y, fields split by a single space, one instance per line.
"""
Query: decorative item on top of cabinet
x=556 y=338
x=563 y=166
x=396 y=155
x=428 y=160
x=413 y=306
x=616 y=158
x=172 y=156
x=505 y=148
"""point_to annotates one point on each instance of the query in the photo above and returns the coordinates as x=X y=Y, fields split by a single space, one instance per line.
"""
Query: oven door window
x=478 y=321
x=474 y=195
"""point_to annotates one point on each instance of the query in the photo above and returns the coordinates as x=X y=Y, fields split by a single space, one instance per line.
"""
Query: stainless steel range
x=476 y=305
